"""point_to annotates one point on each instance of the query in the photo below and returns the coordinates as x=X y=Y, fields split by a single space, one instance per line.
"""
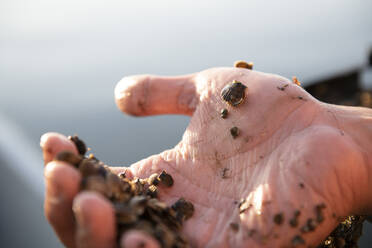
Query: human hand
x=297 y=163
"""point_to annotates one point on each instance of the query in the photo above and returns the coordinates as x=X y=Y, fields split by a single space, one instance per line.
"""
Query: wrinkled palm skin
x=293 y=154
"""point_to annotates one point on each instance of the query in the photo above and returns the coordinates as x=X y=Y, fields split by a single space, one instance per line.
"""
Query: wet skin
x=296 y=167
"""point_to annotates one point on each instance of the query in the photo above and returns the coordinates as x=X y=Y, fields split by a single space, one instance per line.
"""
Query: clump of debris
x=134 y=200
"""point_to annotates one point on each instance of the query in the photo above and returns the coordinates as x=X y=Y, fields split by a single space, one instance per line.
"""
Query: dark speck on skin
x=297 y=240
x=301 y=98
x=234 y=131
x=319 y=212
x=309 y=226
x=234 y=226
x=293 y=222
x=225 y=173
x=278 y=218
x=224 y=113
x=301 y=185
x=251 y=232
x=283 y=87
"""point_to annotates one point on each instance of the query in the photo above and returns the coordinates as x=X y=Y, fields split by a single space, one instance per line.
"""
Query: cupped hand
x=294 y=169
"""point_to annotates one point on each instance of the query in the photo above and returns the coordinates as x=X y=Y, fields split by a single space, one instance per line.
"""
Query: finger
x=95 y=221
x=153 y=95
x=53 y=143
x=62 y=184
x=138 y=239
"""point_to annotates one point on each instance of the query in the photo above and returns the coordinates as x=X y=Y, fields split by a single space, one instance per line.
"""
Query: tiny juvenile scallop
x=234 y=93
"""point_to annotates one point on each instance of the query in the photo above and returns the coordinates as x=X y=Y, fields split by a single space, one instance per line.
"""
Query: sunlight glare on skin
x=257 y=198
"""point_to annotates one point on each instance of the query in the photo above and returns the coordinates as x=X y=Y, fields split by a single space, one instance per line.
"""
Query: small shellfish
x=296 y=81
x=224 y=113
x=243 y=64
x=234 y=131
x=234 y=93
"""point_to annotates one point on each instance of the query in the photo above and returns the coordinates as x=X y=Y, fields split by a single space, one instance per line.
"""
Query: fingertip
x=52 y=143
x=128 y=94
x=62 y=184
x=63 y=175
x=95 y=220
x=138 y=239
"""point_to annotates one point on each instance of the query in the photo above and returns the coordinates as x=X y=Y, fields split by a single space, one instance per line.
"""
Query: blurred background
x=60 y=61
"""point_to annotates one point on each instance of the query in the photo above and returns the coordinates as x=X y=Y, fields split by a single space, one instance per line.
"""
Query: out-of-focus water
x=60 y=60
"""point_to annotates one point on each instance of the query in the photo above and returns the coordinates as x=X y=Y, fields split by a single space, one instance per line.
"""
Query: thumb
x=143 y=95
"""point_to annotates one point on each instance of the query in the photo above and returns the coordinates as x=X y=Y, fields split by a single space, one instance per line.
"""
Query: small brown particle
x=88 y=167
x=224 y=173
x=224 y=113
x=297 y=240
x=243 y=64
x=252 y=232
x=153 y=179
x=293 y=222
x=234 y=131
x=122 y=175
x=278 y=218
x=309 y=226
x=165 y=179
x=80 y=145
x=282 y=88
x=234 y=226
x=295 y=81
x=152 y=191
x=297 y=213
x=318 y=211
x=301 y=185
x=234 y=93
x=94 y=183
x=183 y=208
x=69 y=157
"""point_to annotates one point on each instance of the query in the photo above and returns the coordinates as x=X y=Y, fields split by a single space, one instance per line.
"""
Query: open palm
x=284 y=180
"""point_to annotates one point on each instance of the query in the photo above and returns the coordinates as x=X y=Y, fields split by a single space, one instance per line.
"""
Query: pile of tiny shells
x=135 y=201
x=346 y=235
